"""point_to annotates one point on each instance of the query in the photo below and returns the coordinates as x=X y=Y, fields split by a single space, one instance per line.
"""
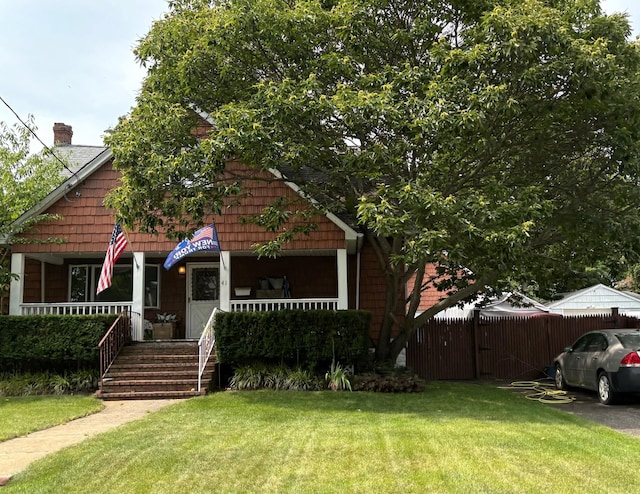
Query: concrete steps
x=156 y=370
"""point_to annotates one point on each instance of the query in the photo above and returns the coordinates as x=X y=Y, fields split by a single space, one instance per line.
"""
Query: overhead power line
x=36 y=136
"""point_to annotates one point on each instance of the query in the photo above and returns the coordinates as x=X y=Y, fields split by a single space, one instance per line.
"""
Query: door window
x=204 y=284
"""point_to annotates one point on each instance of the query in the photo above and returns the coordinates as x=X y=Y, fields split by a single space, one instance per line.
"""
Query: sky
x=72 y=61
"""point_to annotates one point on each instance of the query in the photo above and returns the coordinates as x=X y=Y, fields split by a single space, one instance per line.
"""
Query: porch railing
x=259 y=305
x=118 y=335
x=86 y=308
x=206 y=344
x=75 y=308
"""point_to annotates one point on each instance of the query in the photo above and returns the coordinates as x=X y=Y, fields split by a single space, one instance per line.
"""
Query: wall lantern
x=182 y=269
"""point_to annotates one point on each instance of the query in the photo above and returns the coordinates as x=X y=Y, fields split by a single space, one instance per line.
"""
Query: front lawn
x=20 y=415
x=452 y=438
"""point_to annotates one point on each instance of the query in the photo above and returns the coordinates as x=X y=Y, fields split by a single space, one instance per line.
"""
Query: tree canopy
x=25 y=179
x=496 y=139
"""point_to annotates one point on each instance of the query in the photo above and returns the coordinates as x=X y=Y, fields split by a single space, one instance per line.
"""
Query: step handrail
x=118 y=335
x=205 y=345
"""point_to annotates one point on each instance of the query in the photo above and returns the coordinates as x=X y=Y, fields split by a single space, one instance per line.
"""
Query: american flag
x=117 y=245
x=208 y=232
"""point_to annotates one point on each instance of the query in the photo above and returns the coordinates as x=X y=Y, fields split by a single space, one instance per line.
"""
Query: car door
x=591 y=360
x=573 y=360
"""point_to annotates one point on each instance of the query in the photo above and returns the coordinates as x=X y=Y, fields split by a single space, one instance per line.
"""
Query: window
x=83 y=282
x=582 y=343
x=598 y=343
x=629 y=340
x=152 y=285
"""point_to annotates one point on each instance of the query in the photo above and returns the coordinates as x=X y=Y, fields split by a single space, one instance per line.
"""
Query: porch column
x=138 y=296
x=17 y=286
x=343 y=285
x=225 y=280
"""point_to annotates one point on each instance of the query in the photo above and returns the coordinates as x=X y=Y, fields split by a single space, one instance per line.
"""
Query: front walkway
x=16 y=454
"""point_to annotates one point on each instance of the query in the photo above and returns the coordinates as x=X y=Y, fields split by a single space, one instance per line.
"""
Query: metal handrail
x=205 y=345
x=118 y=335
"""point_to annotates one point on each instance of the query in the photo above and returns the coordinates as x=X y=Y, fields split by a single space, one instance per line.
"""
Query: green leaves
x=498 y=139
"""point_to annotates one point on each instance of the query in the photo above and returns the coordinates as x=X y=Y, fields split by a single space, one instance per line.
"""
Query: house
x=506 y=305
x=324 y=270
x=597 y=299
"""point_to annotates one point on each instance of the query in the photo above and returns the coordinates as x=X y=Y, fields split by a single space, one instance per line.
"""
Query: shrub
x=294 y=337
x=248 y=377
x=278 y=377
x=51 y=343
x=46 y=383
x=398 y=382
x=337 y=378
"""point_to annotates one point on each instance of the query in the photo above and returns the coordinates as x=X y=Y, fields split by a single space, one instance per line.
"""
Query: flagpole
x=130 y=246
x=219 y=245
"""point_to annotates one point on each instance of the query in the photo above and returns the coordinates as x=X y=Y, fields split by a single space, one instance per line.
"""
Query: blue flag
x=204 y=239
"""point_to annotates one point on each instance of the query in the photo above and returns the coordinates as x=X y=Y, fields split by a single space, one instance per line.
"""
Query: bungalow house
x=597 y=299
x=332 y=268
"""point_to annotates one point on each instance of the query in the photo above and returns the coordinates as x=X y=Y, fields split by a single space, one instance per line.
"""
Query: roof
x=77 y=156
x=97 y=156
x=510 y=304
x=80 y=172
x=597 y=297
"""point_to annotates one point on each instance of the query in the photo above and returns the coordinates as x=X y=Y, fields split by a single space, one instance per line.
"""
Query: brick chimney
x=62 y=134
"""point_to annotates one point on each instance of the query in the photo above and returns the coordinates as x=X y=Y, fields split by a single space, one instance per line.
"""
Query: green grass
x=453 y=438
x=21 y=415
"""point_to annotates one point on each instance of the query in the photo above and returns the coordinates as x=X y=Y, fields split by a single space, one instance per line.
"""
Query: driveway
x=624 y=416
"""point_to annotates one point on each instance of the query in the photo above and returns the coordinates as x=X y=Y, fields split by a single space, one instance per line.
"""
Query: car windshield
x=629 y=340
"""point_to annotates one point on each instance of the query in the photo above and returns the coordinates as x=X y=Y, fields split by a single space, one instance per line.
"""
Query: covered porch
x=185 y=296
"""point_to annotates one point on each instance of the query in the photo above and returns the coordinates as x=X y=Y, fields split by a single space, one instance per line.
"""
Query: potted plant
x=164 y=328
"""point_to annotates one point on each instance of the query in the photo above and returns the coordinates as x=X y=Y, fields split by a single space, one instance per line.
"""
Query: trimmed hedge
x=295 y=337
x=51 y=343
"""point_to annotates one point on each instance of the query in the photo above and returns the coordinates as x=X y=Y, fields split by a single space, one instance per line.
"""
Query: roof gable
x=97 y=177
x=596 y=297
x=80 y=172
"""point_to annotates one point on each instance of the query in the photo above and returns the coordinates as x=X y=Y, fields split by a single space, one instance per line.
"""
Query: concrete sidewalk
x=16 y=454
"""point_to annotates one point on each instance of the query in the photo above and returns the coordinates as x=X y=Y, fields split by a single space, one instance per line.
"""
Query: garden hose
x=543 y=392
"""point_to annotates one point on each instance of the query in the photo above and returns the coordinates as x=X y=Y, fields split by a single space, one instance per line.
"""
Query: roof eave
x=59 y=192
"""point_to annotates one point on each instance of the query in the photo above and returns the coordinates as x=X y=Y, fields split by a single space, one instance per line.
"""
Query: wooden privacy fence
x=499 y=348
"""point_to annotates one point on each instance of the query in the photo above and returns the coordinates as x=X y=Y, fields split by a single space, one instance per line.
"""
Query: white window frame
x=94 y=274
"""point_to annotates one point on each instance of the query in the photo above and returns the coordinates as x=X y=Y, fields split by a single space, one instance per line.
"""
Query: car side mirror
x=568 y=349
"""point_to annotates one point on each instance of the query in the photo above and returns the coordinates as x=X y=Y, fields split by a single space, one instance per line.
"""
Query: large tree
x=496 y=139
x=25 y=179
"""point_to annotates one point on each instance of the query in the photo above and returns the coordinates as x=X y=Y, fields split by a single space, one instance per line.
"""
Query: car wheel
x=605 y=390
x=559 y=378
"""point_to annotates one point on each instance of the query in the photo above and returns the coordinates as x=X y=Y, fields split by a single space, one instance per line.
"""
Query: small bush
x=46 y=383
x=279 y=377
x=338 y=378
x=391 y=383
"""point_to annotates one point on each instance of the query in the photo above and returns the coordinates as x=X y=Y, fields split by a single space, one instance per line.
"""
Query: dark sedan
x=606 y=361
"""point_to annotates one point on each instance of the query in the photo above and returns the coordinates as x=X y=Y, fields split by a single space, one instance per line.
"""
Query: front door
x=203 y=295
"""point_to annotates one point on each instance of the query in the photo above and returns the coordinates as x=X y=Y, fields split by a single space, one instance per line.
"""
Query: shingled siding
x=429 y=297
x=86 y=224
x=373 y=291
